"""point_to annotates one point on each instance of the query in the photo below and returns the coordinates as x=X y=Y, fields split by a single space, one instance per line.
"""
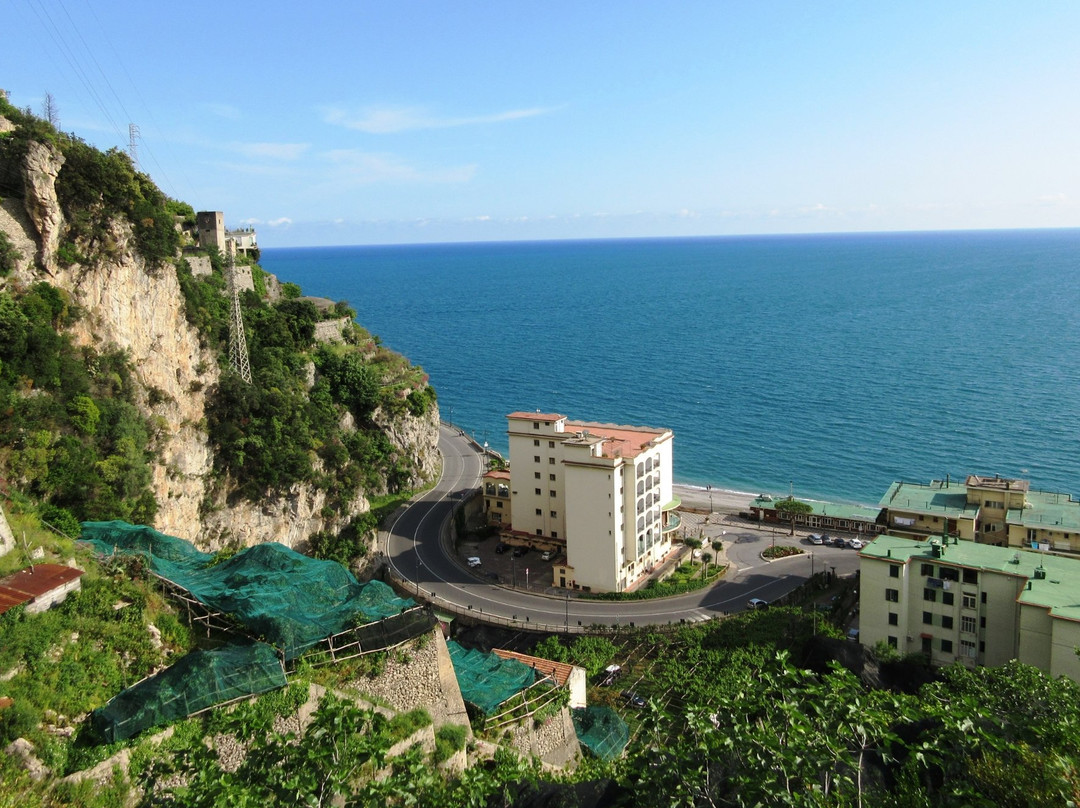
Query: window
x=551 y=477
x=982 y=597
x=554 y=514
x=894 y=619
x=926 y=569
x=967 y=648
x=926 y=640
x=892 y=641
x=946 y=646
x=551 y=444
x=536 y=443
x=551 y=461
x=948 y=598
x=498 y=503
x=928 y=618
x=536 y=424
x=536 y=474
x=536 y=458
x=968 y=600
x=894 y=571
x=950 y=574
x=982 y=647
x=967 y=624
x=971 y=577
x=497 y=517
x=892 y=595
x=982 y=622
x=930 y=595
x=551 y=493
x=946 y=621
x=537 y=490
x=539 y=532
x=555 y=534
x=539 y=511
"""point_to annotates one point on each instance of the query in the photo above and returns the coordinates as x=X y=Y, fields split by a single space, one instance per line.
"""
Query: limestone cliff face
x=140 y=308
x=416 y=438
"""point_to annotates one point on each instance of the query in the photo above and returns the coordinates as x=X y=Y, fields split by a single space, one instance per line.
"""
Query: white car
x=856 y=544
x=473 y=561
x=815 y=538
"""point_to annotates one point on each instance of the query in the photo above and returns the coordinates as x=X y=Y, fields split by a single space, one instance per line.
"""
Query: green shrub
x=449 y=738
x=9 y=256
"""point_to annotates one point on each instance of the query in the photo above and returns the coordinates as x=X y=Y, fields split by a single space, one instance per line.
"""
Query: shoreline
x=725 y=499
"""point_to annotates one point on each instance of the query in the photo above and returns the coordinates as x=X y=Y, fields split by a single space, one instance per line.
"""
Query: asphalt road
x=415 y=548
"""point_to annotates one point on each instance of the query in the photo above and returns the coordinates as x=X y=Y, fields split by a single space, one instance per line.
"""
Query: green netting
x=285 y=598
x=487 y=680
x=199 y=680
x=601 y=731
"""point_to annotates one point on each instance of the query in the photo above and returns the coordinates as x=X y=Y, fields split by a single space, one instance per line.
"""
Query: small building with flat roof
x=861 y=519
x=39 y=587
x=959 y=601
x=497 y=497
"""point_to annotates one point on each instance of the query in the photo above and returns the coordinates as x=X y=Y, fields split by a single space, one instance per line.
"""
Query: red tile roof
x=33 y=581
x=497 y=474
x=624 y=441
x=559 y=671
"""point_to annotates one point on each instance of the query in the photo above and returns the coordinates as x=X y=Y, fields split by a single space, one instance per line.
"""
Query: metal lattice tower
x=238 y=352
x=133 y=150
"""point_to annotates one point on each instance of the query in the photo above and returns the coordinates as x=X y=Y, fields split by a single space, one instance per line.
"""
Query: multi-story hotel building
x=602 y=491
x=986 y=510
x=958 y=601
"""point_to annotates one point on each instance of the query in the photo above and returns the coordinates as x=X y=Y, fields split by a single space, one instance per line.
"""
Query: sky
x=335 y=123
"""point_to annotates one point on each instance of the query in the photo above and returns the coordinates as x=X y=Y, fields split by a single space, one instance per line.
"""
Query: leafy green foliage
x=73 y=437
x=9 y=256
x=449 y=738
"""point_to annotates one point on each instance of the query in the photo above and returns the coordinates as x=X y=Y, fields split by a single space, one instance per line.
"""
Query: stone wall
x=330 y=330
x=419 y=674
x=200 y=265
x=553 y=742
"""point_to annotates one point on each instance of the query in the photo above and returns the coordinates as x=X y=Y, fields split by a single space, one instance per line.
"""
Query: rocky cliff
x=138 y=306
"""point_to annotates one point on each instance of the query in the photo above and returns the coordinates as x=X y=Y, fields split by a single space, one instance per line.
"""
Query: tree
x=50 y=111
x=792 y=508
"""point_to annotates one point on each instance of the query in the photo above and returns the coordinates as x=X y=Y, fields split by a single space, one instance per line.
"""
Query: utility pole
x=238 y=353
x=133 y=149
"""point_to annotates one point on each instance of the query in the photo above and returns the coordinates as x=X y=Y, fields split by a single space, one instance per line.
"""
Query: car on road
x=501 y=547
x=473 y=561
x=520 y=550
x=633 y=699
x=757 y=603
x=547 y=555
x=814 y=538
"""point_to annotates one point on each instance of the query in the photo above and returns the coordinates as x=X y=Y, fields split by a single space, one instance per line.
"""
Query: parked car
x=501 y=547
x=826 y=539
x=757 y=603
x=839 y=542
x=547 y=555
x=856 y=544
x=473 y=561
x=814 y=538
x=633 y=699
x=520 y=550
x=853 y=634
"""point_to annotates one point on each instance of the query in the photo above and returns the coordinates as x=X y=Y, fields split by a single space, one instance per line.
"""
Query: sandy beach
x=723 y=500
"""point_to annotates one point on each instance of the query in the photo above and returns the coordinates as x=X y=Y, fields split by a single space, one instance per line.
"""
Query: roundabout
x=423 y=561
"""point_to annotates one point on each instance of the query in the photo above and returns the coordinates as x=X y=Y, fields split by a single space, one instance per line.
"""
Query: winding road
x=419 y=554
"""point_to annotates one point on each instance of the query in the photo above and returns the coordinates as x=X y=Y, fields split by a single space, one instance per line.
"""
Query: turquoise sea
x=835 y=364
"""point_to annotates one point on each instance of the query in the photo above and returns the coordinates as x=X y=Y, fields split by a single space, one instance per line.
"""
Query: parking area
x=515 y=564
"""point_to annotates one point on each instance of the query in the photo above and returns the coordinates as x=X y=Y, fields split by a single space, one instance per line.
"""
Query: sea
x=825 y=365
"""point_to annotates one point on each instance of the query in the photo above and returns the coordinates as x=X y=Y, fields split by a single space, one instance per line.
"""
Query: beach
x=722 y=500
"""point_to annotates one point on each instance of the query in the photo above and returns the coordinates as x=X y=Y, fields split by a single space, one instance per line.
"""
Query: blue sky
x=394 y=122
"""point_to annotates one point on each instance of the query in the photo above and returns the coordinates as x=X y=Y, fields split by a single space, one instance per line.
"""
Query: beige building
x=959 y=601
x=497 y=497
x=602 y=491
x=987 y=510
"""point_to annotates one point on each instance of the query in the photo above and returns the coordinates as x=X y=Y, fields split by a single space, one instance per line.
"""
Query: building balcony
x=673 y=522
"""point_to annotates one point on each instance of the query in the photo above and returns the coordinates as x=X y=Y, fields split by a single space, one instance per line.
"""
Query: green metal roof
x=938 y=498
x=1059 y=590
x=1047 y=509
x=835 y=510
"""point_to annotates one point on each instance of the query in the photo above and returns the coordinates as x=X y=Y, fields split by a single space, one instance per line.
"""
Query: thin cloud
x=283 y=221
x=370 y=167
x=389 y=120
x=273 y=151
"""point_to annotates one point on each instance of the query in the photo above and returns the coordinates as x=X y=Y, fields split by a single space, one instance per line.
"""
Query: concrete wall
x=200 y=265
x=330 y=330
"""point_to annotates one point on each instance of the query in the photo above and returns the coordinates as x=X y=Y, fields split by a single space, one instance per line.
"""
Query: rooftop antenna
x=133 y=149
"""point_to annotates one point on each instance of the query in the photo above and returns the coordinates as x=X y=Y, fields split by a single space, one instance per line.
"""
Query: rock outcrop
x=41 y=168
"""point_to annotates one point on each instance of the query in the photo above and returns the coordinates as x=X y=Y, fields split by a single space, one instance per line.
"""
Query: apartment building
x=987 y=510
x=601 y=490
x=978 y=604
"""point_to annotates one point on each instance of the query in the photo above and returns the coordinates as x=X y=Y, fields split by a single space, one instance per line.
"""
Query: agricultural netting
x=487 y=680
x=601 y=731
x=276 y=594
x=199 y=680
